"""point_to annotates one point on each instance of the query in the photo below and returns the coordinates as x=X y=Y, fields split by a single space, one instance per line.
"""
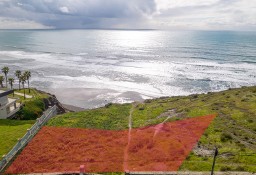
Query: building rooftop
x=5 y=93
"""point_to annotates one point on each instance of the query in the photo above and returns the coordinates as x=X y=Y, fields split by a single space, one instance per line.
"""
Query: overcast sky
x=129 y=14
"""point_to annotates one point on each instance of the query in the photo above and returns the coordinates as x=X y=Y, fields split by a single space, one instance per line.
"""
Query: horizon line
x=135 y=29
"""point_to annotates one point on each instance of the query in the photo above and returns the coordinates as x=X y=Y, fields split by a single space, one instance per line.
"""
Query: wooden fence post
x=214 y=159
x=82 y=170
x=28 y=130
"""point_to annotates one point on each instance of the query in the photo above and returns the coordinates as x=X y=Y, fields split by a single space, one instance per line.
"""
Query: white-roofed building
x=8 y=106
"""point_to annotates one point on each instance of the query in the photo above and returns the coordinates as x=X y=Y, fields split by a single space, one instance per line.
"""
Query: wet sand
x=77 y=99
x=72 y=108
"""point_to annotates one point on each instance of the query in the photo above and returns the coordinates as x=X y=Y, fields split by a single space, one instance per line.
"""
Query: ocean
x=89 y=68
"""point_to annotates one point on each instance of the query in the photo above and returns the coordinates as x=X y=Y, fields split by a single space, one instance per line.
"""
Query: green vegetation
x=35 y=93
x=5 y=70
x=10 y=131
x=1 y=81
x=22 y=78
x=18 y=75
x=233 y=131
x=33 y=107
x=114 y=117
x=11 y=81
x=27 y=75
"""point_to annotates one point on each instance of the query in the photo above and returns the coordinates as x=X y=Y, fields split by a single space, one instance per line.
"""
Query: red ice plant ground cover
x=161 y=147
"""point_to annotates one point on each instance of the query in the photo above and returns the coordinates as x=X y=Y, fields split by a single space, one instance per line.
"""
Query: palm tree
x=27 y=74
x=11 y=81
x=1 y=80
x=5 y=70
x=18 y=74
x=23 y=81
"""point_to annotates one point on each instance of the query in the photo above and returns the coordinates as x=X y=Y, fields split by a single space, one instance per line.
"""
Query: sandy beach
x=78 y=99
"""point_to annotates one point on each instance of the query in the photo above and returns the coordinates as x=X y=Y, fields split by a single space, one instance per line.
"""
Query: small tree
x=1 y=80
x=27 y=74
x=18 y=74
x=23 y=81
x=5 y=70
x=11 y=81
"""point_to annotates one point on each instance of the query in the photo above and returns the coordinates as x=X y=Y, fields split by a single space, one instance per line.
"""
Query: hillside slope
x=233 y=131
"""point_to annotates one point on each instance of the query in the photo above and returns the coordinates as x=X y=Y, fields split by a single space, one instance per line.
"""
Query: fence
x=49 y=113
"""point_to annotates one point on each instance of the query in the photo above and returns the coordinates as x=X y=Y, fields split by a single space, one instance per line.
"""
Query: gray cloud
x=166 y=14
x=79 y=13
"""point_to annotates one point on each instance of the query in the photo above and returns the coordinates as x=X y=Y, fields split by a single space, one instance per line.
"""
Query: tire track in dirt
x=126 y=155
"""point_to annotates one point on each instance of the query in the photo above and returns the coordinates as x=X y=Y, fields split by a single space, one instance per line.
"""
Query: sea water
x=127 y=65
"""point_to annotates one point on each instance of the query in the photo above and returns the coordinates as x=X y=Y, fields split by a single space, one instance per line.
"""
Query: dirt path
x=126 y=156
x=160 y=126
x=20 y=94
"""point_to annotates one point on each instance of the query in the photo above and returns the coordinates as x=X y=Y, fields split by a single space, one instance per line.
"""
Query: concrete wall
x=3 y=113
x=3 y=100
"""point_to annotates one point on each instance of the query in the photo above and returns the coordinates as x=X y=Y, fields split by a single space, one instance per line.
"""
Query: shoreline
x=89 y=98
x=64 y=108
x=130 y=94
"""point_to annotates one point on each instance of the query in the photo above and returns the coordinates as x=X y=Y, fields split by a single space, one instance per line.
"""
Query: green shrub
x=141 y=108
x=245 y=99
x=225 y=168
x=240 y=168
x=205 y=158
x=108 y=105
x=225 y=137
x=32 y=109
x=195 y=96
x=148 y=101
x=250 y=121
